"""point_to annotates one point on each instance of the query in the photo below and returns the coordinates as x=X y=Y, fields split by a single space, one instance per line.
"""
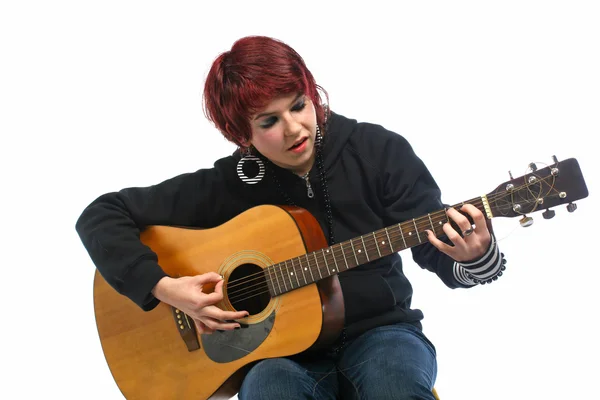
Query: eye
x=269 y=122
x=299 y=106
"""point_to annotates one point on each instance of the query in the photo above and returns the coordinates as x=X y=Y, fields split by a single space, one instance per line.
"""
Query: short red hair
x=245 y=79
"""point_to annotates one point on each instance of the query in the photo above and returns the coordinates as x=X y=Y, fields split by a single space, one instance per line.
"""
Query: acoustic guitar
x=277 y=265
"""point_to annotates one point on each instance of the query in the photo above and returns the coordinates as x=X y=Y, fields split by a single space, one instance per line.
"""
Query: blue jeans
x=390 y=362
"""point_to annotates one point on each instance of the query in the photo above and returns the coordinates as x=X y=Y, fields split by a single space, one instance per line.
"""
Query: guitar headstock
x=559 y=183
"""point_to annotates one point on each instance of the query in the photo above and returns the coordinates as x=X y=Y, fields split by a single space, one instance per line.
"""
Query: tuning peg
x=510 y=174
x=526 y=221
x=549 y=214
x=571 y=207
x=533 y=166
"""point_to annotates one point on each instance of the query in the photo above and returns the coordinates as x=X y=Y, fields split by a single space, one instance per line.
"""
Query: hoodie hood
x=333 y=144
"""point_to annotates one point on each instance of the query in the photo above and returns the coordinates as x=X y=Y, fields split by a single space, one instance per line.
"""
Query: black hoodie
x=374 y=180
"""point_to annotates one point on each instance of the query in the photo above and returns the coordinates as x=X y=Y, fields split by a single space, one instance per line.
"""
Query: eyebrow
x=271 y=113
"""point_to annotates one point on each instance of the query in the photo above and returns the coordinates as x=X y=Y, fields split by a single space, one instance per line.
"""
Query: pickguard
x=228 y=346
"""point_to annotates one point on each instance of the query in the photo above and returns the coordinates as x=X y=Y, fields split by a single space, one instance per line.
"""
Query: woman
x=355 y=178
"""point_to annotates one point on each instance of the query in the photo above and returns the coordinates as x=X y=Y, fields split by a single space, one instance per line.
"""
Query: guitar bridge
x=187 y=329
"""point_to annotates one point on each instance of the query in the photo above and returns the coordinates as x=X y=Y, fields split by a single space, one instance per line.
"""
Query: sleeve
x=410 y=191
x=110 y=227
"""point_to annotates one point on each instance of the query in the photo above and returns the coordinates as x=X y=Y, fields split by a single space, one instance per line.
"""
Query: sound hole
x=247 y=289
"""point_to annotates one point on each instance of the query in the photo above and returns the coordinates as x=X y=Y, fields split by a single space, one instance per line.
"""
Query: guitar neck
x=312 y=267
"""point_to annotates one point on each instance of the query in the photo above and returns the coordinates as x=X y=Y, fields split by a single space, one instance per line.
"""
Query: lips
x=298 y=143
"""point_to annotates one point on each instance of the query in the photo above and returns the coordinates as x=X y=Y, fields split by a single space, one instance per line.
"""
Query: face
x=284 y=132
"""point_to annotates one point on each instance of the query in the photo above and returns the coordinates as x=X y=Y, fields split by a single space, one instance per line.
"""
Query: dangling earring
x=261 y=168
x=318 y=137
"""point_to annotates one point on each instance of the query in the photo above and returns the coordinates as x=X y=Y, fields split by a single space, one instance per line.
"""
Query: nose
x=293 y=127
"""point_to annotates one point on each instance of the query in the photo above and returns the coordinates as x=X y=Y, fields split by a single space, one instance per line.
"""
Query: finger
x=201 y=328
x=220 y=325
x=217 y=313
x=219 y=287
x=215 y=296
x=460 y=220
x=211 y=299
x=476 y=214
x=453 y=235
x=438 y=244
x=208 y=278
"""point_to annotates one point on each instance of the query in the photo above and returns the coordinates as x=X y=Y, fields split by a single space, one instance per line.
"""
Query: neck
x=303 y=176
x=312 y=267
x=304 y=170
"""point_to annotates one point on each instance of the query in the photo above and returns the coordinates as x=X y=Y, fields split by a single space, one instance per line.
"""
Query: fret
x=283 y=277
x=278 y=284
x=389 y=240
x=318 y=267
x=417 y=230
x=287 y=270
x=301 y=269
x=326 y=263
x=295 y=273
x=309 y=267
x=354 y=251
x=334 y=259
x=346 y=261
x=365 y=247
x=271 y=279
x=376 y=244
x=431 y=223
x=402 y=233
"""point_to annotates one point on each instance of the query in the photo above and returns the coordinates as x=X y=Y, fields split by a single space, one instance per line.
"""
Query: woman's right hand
x=186 y=294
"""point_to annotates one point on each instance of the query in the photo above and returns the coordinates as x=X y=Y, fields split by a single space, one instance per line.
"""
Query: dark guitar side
x=329 y=288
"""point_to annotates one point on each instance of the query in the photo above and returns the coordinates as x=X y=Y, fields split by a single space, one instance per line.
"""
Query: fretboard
x=312 y=267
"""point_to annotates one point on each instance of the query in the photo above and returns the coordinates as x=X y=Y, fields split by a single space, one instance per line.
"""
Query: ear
x=245 y=143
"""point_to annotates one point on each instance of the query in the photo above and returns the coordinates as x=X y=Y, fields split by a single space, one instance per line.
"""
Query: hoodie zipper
x=309 y=190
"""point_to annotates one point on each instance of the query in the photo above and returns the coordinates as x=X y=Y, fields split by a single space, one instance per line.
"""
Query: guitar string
x=322 y=264
x=262 y=287
x=370 y=245
x=422 y=222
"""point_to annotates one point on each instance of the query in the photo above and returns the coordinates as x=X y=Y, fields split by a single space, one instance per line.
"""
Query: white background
x=97 y=96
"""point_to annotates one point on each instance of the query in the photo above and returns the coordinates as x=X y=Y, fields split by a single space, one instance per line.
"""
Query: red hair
x=249 y=76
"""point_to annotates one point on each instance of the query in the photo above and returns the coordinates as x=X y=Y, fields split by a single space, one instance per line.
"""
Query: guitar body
x=152 y=355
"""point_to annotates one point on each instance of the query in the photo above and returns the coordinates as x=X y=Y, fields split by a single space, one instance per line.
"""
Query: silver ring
x=468 y=232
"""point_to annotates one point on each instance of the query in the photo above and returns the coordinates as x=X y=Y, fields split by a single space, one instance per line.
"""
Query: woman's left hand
x=474 y=241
